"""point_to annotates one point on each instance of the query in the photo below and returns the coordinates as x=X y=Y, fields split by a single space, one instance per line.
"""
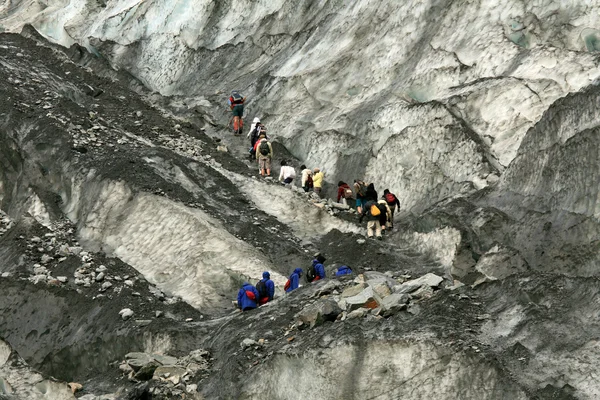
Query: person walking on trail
x=317 y=178
x=385 y=217
x=255 y=131
x=392 y=202
x=316 y=271
x=264 y=155
x=236 y=103
x=372 y=212
x=247 y=297
x=360 y=188
x=307 y=180
x=344 y=193
x=287 y=173
x=265 y=288
x=371 y=194
x=293 y=282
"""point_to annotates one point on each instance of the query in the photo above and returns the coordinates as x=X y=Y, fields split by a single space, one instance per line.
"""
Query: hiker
x=392 y=202
x=317 y=179
x=385 y=217
x=344 y=192
x=255 y=130
x=361 y=190
x=371 y=194
x=265 y=288
x=307 y=180
x=343 y=270
x=236 y=103
x=287 y=173
x=372 y=212
x=294 y=281
x=247 y=297
x=264 y=154
x=316 y=271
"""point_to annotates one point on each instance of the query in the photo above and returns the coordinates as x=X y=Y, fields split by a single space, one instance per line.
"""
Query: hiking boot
x=379 y=237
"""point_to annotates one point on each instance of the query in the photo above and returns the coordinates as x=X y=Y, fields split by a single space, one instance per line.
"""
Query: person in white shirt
x=307 y=183
x=287 y=173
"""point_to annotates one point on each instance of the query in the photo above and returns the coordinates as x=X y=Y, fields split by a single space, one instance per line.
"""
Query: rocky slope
x=130 y=219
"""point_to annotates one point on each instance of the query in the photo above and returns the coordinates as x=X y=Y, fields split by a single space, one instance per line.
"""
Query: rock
x=354 y=290
x=137 y=360
x=40 y=270
x=193 y=388
x=146 y=372
x=327 y=287
x=358 y=313
x=394 y=303
x=165 y=360
x=158 y=314
x=430 y=280
x=339 y=206
x=61 y=279
x=366 y=299
x=156 y=292
x=170 y=373
x=126 y=313
x=75 y=387
x=100 y=277
x=318 y=313
x=128 y=282
x=6 y=274
x=380 y=287
x=106 y=285
x=424 y=292
x=35 y=239
x=222 y=148
x=46 y=259
x=101 y=268
x=248 y=343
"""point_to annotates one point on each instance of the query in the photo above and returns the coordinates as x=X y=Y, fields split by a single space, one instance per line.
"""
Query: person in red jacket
x=344 y=193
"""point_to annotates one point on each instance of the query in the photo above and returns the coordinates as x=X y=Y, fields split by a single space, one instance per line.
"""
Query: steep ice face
x=340 y=93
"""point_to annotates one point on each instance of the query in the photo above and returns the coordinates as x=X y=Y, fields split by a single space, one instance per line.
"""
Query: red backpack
x=250 y=295
x=390 y=198
x=287 y=285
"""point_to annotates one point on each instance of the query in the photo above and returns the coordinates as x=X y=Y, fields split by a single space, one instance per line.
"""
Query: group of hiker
x=250 y=297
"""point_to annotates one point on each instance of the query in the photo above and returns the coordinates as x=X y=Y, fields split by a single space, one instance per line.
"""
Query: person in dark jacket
x=269 y=285
x=371 y=194
x=319 y=268
x=247 y=297
x=294 y=280
x=360 y=188
x=392 y=202
x=372 y=220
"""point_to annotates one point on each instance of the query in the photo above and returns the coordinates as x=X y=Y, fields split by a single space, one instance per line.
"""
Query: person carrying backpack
x=265 y=288
x=316 y=271
x=307 y=181
x=236 y=103
x=264 y=154
x=372 y=211
x=294 y=281
x=386 y=215
x=360 y=188
x=344 y=192
x=392 y=202
x=247 y=297
x=371 y=194
x=255 y=130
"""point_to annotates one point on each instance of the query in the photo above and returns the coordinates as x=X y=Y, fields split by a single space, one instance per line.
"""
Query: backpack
x=362 y=189
x=250 y=295
x=311 y=273
x=390 y=198
x=309 y=182
x=237 y=97
x=375 y=211
x=261 y=287
x=348 y=193
x=264 y=148
x=287 y=285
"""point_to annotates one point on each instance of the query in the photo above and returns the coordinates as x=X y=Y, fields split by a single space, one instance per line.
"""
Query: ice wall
x=341 y=82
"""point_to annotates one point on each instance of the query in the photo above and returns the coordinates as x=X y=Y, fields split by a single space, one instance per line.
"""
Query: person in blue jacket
x=319 y=269
x=294 y=281
x=265 y=288
x=247 y=298
x=343 y=270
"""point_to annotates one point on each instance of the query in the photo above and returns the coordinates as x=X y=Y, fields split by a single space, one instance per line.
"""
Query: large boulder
x=394 y=303
x=430 y=280
x=316 y=314
x=380 y=286
x=367 y=299
x=353 y=290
